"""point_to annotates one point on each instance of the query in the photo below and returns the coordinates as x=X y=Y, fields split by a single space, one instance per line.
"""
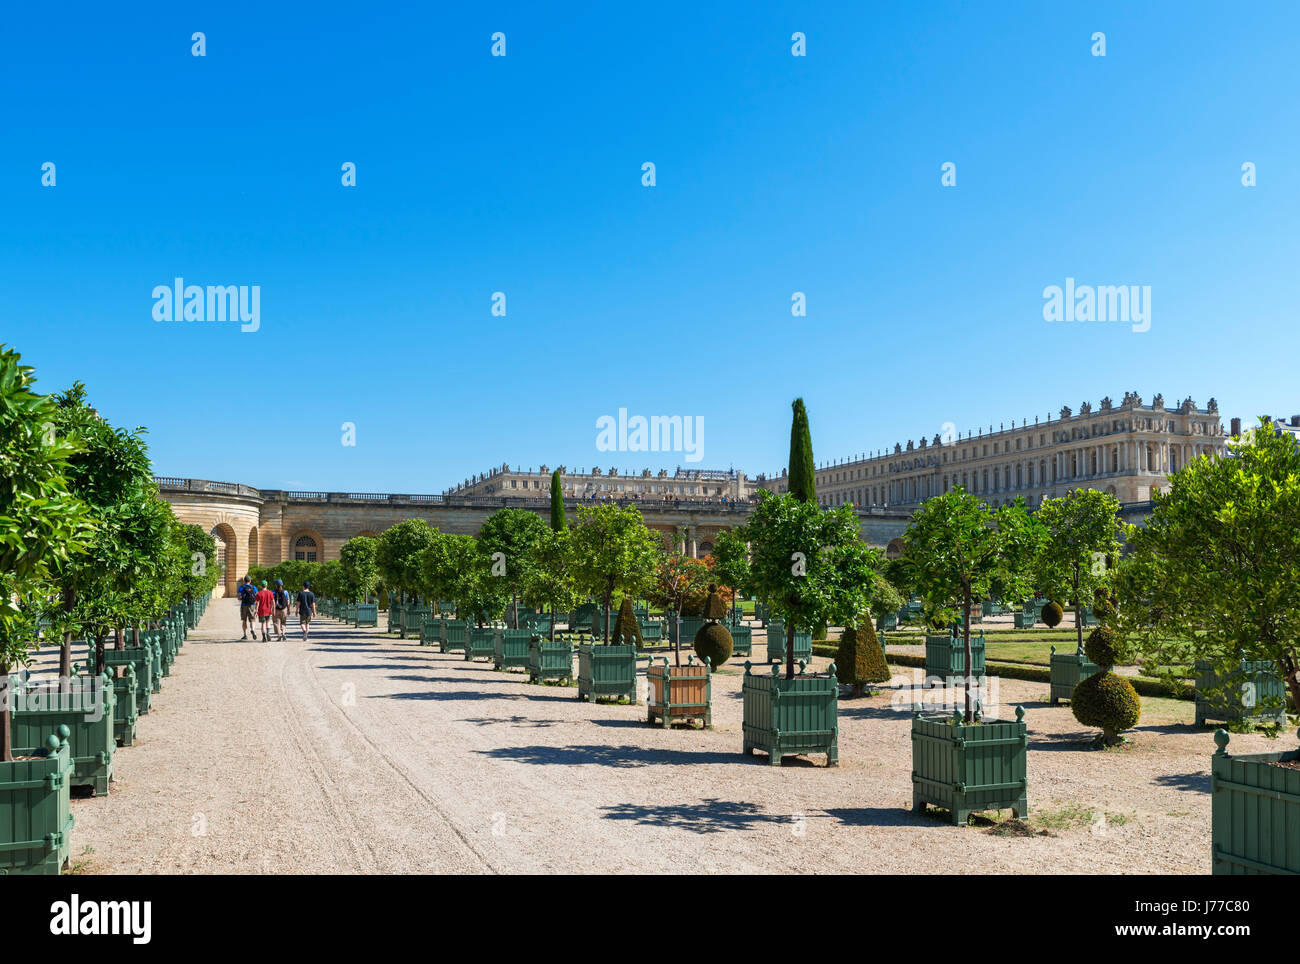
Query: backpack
x=281 y=599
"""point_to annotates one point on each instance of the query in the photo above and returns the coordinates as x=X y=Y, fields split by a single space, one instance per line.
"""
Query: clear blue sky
x=522 y=174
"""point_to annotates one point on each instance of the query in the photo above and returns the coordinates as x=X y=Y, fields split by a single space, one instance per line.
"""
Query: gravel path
x=360 y=753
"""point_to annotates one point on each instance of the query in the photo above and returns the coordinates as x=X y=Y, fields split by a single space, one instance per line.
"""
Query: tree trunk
x=607 y=598
x=677 y=633
x=970 y=676
x=1291 y=673
x=6 y=716
x=1078 y=610
x=789 y=649
x=65 y=648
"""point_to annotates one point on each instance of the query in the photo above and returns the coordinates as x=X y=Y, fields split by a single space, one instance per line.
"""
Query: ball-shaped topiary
x=1106 y=701
x=713 y=642
x=860 y=658
x=626 y=628
x=1100 y=647
x=1052 y=614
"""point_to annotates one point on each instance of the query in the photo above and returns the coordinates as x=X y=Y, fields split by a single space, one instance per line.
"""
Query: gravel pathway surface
x=359 y=753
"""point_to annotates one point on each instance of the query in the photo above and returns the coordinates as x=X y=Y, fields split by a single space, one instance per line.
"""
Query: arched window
x=304 y=549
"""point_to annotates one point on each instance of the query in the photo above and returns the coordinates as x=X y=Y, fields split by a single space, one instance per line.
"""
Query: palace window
x=304 y=549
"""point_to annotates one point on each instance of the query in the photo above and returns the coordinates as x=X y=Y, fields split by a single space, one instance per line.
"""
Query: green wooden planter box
x=760 y=613
x=481 y=643
x=776 y=643
x=549 y=660
x=887 y=623
x=1023 y=620
x=791 y=717
x=652 y=630
x=140 y=661
x=430 y=630
x=367 y=614
x=1224 y=687
x=679 y=694
x=965 y=768
x=35 y=809
x=1068 y=670
x=607 y=672
x=1254 y=812
x=126 y=713
x=690 y=626
x=511 y=649
x=413 y=620
x=86 y=713
x=454 y=633
x=742 y=641
x=945 y=657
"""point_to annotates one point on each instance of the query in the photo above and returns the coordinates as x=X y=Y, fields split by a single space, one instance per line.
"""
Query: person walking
x=306 y=608
x=247 y=604
x=265 y=606
x=281 y=614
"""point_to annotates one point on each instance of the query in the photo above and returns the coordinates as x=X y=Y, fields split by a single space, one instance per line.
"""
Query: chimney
x=1236 y=426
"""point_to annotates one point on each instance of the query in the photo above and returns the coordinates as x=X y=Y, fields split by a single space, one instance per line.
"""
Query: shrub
x=713 y=642
x=1100 y=647
x=1052 y=614
x=692 y=606
x=860 y=658
x=1103 y=609
x=626 y=626
x=1108 y=702
x=714 y=607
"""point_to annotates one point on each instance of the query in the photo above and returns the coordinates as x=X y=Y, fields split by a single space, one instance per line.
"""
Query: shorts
x=245 y=612
x=280 y=615
x=304 y=615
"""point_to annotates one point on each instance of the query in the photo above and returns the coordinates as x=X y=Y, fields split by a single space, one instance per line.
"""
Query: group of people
x=271 y=609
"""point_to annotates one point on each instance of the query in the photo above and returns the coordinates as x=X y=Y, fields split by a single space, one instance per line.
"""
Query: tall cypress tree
x=558 y=521
x=803 y=485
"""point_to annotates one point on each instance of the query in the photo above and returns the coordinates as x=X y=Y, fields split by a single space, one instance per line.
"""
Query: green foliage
x=885 y=598
x=558 y=520
x=809 y=566
x=860 y=658
x=957 y=548
x=731 y=561
x=1213 y=573
x=614 y=551
x=1080 y=531
x=508 y=539
x=713 y=641
x=397 y=555
x=626 y=626
x=1052 y=614
x=552 y=583
x=1108 y=702
x=1100 y=647
x=803 y=477
x=359 y=570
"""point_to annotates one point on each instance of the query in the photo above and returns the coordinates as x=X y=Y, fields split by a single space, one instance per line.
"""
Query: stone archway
x=254 y=555
x=227 y=551
x=894 y=549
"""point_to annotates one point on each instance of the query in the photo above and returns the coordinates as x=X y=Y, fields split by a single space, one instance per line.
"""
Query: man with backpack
x=281 y=614
x=306 y=608
x=265 y=606
x=247 y=607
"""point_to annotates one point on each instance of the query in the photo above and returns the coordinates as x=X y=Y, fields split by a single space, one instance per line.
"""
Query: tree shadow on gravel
x=877 y=816
x=1190 y=782
x=360 y=666
x=866 y=712
x=1082 y=741
x=511 y=720
x=453 y=696
x=707 y=816
x=606 y=756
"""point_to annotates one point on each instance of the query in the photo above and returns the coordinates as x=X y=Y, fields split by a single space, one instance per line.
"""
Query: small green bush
x=625 y=626
x=860 y=658
x=1052 y=614
x=1100 y=647
x=1108 y=702
x=713 y=642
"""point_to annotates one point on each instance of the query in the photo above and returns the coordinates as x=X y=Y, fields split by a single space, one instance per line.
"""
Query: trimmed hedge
x=1107 y=702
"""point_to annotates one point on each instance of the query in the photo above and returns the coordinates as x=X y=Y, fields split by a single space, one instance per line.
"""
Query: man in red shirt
x=265 y=607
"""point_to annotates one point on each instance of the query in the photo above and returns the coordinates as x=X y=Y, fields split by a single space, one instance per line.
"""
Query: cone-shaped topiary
x=714 y=607
x=860 y=658
x=1106 y=701
x=1100 y=647
x=803 y=477
x=1052 y=614
x=714 y=642
x=625 y=626
x=558 y=520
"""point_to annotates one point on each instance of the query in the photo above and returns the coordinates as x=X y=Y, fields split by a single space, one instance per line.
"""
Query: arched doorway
x=894 y=549
x=254 y=557
x=226 y=546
